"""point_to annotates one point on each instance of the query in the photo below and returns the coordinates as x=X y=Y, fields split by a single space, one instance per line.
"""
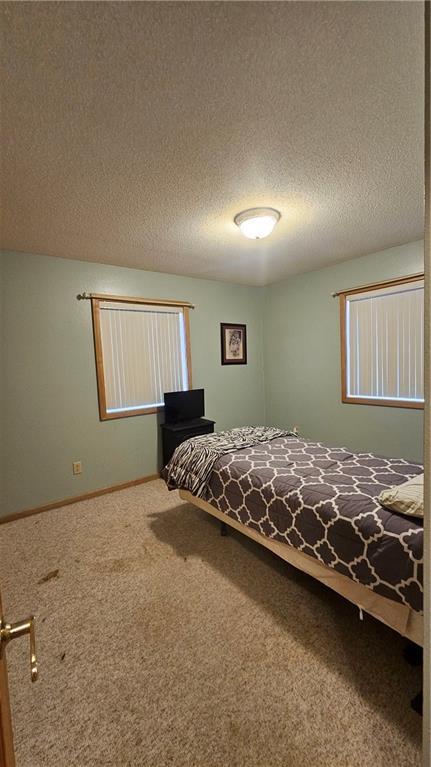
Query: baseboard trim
x=76 y=499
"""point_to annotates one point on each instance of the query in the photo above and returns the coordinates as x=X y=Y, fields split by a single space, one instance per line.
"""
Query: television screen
x=184 y=405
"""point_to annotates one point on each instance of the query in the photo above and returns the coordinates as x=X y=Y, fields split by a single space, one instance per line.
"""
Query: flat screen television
x=184 y=405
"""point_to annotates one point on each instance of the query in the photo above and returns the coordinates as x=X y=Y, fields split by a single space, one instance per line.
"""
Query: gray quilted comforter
x=321 y=500
x=192 y=462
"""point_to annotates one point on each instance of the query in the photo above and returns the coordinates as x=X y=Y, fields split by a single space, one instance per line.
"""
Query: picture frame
x=233 y=343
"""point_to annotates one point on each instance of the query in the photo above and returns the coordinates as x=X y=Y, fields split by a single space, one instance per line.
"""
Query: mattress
x=323 y=502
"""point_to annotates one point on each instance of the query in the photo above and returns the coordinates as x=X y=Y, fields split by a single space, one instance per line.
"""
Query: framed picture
x=233 y=344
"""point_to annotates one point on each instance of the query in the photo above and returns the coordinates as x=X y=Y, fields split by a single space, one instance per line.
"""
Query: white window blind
x=384 y=343
x=144 y=354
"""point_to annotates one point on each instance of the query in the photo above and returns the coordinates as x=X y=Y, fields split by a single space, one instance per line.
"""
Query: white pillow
x=407 y=498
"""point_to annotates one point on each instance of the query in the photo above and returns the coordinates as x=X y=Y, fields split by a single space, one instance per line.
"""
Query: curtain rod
x=377 y=285
x=133 y=300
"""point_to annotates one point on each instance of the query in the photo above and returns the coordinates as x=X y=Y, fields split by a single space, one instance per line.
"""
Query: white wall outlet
x=77 y=467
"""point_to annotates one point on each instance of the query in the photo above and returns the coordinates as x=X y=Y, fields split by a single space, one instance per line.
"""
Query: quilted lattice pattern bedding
x=323 y=501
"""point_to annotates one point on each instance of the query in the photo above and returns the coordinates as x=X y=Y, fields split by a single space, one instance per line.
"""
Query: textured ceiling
x=133 y=132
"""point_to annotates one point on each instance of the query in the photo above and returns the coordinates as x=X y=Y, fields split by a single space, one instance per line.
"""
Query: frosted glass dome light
x=257 y=223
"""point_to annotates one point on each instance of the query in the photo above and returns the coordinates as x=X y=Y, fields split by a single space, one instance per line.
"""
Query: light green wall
x=50 y=413
x=302 y=359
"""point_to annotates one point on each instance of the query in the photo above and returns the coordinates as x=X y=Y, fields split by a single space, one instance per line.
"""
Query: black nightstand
x=175 y=433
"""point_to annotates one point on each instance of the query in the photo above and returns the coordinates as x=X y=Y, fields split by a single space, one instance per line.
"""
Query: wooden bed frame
x=399 y=617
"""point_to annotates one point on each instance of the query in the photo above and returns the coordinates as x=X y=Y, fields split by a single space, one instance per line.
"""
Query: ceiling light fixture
x=257 y=223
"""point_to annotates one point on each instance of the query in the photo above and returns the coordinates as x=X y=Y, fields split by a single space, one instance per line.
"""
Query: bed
x=316 y=507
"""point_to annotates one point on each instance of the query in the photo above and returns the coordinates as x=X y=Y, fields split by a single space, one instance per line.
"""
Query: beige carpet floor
x=162 y=643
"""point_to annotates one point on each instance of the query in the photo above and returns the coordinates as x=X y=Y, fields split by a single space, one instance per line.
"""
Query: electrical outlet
x=77 y=467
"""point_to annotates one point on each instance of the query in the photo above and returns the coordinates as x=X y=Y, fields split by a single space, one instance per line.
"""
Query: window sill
x=383 y=402
x=131 y=413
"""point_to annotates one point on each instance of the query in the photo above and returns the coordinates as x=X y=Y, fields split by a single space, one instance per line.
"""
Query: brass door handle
x=9 y=631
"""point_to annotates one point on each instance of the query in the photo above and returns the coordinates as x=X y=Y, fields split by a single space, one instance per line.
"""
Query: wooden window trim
x=343 y=295
x=379 y=285
x=135 y=300
x=96 y=299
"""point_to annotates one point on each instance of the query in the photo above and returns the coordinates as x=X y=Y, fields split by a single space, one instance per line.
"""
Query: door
x=8 y=632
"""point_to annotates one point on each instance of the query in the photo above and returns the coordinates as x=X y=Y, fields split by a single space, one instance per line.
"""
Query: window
x=382 y=345
x=142 y=350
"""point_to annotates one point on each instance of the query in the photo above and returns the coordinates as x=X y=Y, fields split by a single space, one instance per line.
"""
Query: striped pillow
x=407 y=498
